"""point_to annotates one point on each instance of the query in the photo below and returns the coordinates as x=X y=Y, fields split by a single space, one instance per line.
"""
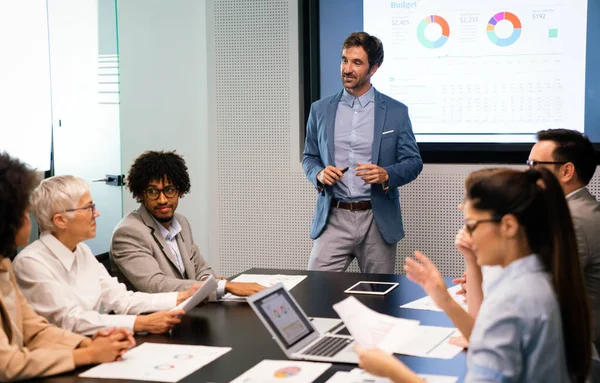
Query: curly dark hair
x=155 y=165
x=17 y=181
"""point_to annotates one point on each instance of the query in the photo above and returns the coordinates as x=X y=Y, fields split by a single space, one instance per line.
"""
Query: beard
x=354 y=82
x=164 y=219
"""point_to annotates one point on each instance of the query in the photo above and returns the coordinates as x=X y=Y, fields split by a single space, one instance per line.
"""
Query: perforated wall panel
x=265 y=204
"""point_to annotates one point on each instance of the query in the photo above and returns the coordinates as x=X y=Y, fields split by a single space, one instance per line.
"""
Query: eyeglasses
x=534 y=163
x=153 y=193
x=91 y=206
x=470 y=226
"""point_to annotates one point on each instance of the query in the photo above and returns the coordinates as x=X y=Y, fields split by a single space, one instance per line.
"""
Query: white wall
x=164 y=90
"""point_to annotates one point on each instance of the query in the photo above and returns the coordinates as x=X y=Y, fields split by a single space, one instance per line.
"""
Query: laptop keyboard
x=328 y=346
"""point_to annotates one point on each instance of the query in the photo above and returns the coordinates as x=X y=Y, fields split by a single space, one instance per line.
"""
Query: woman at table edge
x=29 y=346
x=534 y=322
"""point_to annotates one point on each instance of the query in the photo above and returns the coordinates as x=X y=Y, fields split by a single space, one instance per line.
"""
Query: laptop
x=294 y=332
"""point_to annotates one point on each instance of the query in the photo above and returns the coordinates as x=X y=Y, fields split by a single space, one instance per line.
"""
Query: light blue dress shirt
x=170 y=237
x=354 y=126
x=518 y=335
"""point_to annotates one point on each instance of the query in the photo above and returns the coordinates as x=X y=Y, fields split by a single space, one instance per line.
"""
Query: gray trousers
x=348 y=235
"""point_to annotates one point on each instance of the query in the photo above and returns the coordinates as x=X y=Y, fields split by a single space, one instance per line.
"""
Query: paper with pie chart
x=482 y=71
x=282 y=371
x=158 y=362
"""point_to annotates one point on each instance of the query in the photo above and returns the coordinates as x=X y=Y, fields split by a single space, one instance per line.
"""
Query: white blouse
x=74 y=291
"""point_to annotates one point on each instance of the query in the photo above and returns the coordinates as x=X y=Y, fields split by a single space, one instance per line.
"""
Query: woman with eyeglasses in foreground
x=29 y=346
x=65 y=283
x=534 y=323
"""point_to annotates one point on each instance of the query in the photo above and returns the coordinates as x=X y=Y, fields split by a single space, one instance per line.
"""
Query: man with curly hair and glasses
x=152 y=247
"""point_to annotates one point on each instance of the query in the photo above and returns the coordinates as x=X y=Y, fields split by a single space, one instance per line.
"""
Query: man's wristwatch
x=385 y=186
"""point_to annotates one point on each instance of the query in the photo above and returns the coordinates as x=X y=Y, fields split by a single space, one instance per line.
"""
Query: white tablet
x=371 y=288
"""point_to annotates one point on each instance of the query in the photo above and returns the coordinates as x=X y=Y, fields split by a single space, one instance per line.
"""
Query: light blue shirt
x=170 y=237
x=518 y=335
x=354 y=126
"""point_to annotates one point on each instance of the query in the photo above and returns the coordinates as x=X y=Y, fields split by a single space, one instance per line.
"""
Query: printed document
x=395 y=335
x=427 y=303
x=157 y=362
x=203 y=292
x=370 y=328
x=267 y=280
x=429 y=342
x=289 y=371
x=360 y=376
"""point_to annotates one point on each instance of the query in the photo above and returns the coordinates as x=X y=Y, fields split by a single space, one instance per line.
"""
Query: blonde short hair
x=56 y=195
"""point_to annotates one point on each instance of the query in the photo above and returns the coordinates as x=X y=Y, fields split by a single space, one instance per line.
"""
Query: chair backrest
x=114 y=271
x=105 y=260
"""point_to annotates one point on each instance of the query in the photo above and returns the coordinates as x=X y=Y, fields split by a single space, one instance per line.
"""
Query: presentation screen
x=473 y=71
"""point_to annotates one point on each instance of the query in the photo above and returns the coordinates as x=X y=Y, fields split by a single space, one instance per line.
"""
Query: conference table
x=235 y=325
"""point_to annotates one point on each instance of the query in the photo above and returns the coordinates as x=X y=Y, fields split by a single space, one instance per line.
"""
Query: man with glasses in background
x=152 y=248
x=571 y=157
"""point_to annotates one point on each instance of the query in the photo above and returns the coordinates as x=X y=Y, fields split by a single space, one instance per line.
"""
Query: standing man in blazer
x=359 y=150
x=571 y=157
x=152 y=248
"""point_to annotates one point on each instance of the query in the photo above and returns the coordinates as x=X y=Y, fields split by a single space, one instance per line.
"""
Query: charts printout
x=488 y=71
x=426 y=303
x=289 y=281
x=157 y=362
x=289 y=371
x=395 y=335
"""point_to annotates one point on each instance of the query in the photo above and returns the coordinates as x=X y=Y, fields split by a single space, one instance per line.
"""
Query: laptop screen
x=284 y=317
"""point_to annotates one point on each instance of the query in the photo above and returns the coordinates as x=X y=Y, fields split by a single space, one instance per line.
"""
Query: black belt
x=352 y=206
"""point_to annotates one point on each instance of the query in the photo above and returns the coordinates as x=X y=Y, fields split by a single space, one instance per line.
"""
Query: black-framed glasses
x=534 y=163
x=91 y=206
x=470 y=226
x=154 y=193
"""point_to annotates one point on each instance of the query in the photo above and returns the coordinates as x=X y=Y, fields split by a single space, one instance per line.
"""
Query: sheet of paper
x=427 y=342
x=370 y=328
x=360 y=376
x=208 y=286
x=428 y=378
x=289 y=281
x=426 y=303
x=276 y=371
x=347 y=377
x=157 y=362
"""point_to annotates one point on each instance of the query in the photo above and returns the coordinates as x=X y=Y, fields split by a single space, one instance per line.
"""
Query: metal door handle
x=105 y=179
x=111 y=179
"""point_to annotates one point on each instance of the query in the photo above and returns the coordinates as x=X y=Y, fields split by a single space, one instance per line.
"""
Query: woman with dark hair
x=534 y=323
x=29 y=346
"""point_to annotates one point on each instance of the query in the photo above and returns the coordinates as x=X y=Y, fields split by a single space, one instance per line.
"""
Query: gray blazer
x=585 y=211
x=141 y=258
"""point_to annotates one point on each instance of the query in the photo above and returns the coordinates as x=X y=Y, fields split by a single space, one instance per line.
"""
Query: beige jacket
x=141 y=258
x=29 y=346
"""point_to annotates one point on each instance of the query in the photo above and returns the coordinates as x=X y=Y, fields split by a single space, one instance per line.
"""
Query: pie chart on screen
x=433 y=32
x=504 y=29
x=287 y=372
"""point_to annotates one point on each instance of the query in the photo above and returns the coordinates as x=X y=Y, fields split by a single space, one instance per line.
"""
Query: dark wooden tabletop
x=235 y=325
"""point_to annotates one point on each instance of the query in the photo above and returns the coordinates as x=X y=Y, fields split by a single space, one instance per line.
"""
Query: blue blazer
x=397 y=152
